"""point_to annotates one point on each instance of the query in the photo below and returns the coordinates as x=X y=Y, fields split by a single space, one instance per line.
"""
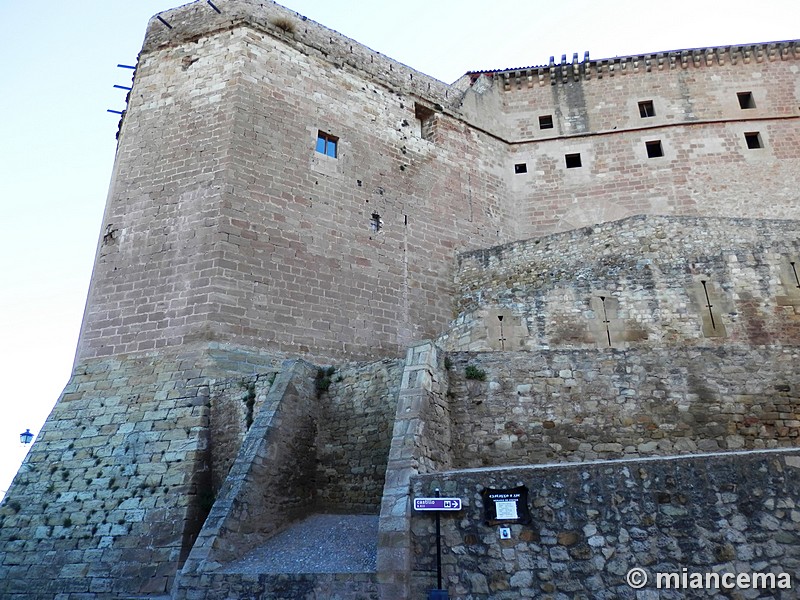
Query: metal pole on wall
x=438 y=504
x=438 y=548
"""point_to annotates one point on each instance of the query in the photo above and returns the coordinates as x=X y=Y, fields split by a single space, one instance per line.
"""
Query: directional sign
x=437 y=503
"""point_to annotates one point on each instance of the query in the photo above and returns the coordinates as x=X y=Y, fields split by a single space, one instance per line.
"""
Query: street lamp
x=26 y=437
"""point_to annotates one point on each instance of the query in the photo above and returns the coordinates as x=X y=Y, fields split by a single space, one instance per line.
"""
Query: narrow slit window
x=654 y=149
x=521 y=168
x=573 y=160
x=646 y=109
x=746 y=100
x=376 y=223
x=546 y=122
x=753 y=140
x=327 y=144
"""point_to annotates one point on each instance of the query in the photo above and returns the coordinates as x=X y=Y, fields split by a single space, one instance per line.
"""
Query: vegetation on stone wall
x=284 y=24
x=473 y=372
x=249 y=402
x=323 y=380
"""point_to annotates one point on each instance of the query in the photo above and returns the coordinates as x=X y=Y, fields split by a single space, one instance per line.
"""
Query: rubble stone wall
x=593 y=522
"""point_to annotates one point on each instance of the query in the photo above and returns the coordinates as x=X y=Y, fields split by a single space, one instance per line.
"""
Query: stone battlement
x=564 y=72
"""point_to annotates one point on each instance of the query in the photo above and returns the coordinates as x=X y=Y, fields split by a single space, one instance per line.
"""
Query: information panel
x=506 y=506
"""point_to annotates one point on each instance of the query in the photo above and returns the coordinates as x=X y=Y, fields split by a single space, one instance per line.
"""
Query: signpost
x=438 y=505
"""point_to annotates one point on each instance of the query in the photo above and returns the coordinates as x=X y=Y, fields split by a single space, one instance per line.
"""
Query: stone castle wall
x=706 y=167
x=118 y=484
x=238 y=232
x=235 y=230
x=562 y=405
x=229 y=244
x=639 y=282
x=110 y=497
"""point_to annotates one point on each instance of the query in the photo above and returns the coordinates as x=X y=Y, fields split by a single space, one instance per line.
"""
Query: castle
x=329 y=284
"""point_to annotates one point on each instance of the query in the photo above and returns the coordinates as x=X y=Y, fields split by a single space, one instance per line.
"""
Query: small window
x=425 y=121
x=654 y=149
x=573 y=160
x=376 y=223
x=546 y=122
x=746 y=100
x=521 y=168
x=327 y=144
x=753 y=140
x=646 y=109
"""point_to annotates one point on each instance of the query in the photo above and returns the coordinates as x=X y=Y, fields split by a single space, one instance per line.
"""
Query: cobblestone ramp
x=321 y=543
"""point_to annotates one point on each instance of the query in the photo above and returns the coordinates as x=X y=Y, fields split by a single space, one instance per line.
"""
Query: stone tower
x=283 y=196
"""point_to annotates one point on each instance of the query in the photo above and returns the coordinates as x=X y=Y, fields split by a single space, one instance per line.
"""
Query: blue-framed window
x=327 y=144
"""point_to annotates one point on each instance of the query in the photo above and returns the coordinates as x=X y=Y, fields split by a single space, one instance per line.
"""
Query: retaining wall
x=593 y=522
x=556 y=406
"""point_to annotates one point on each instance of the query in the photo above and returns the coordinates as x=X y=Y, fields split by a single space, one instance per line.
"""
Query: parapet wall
x=593 y=522
x=640 y=282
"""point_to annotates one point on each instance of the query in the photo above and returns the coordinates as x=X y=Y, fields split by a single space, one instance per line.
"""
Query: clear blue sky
x=57 y=68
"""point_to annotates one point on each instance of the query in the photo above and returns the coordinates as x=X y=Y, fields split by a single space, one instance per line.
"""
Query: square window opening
x=521 y=168
x=746 y=100
x=573 y=160
x=327 y=144
x=654 y=149
x=753 y=140
x=546 y=122
x=646 y=109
